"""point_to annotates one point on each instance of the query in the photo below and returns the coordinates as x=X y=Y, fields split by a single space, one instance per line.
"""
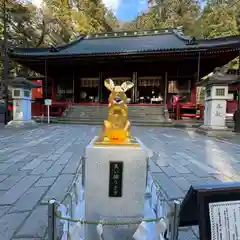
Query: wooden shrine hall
x=161 y=64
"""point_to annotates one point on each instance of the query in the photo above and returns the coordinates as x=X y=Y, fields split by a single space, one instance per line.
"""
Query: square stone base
x=98 y=204
x=213 y=131
x=21 y=124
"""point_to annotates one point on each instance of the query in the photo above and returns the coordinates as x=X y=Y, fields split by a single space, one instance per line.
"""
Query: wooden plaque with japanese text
x=115 y=179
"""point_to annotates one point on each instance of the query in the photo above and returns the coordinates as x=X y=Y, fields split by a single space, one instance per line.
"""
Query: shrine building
x=161 y=64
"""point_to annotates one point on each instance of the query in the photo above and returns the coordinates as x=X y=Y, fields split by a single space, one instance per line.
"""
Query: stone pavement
x=182 y=157
x=36 y=165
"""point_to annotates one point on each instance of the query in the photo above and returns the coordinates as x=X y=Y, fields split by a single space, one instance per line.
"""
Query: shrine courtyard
x=37 y=165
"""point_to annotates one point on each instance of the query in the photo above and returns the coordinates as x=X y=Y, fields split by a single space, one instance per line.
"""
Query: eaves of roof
x=125 y=43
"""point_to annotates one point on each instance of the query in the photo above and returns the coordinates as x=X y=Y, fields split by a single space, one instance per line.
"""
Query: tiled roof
x=129 y=43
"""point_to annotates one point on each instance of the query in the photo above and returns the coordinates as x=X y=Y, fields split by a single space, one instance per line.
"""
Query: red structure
x=161 y=64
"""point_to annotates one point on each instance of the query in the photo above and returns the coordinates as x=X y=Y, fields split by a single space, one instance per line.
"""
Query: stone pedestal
x=22 y=103
x=115 y=183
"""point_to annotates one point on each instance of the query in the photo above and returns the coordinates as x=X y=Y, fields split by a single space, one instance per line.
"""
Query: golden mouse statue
x=116 y=129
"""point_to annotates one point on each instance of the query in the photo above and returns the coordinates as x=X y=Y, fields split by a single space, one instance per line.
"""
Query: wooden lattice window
x=16 y=93
x=26 y=93
x=220 y=92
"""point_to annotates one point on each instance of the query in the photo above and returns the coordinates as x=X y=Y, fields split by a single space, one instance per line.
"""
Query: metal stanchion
x=147 y=169
x=83 y=171
x=52 y=230
x=174 y=221
x=236 y=116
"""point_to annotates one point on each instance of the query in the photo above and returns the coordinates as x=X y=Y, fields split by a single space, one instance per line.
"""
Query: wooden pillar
x=135 y=88
x=100 y=86
x=193 y=83
x=165 y=91
x=54 y=90
x=73 y=87
x=45 y=85
x=239 y=63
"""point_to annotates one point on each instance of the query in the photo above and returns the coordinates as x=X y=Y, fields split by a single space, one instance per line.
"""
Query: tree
x=219 y=19
x=170 y=13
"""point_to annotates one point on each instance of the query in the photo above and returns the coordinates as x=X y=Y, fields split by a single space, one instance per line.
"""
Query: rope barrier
x=106 y=223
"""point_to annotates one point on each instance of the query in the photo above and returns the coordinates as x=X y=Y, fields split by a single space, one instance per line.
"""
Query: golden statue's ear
x=109 y=84
x=126 y=86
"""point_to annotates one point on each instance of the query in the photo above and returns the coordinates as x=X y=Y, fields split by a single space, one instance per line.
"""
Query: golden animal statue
x=116 y=129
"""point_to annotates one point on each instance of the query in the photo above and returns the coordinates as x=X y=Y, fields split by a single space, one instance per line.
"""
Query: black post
x=5 y=64
x=236 y=116
x=52 y=232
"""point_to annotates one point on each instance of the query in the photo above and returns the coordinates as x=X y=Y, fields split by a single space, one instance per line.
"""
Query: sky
x=125 y=10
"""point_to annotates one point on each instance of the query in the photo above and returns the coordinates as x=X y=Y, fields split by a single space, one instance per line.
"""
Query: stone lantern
x=216 y=96
x=22 y=102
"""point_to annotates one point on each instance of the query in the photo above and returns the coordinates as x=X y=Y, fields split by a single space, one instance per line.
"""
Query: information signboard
x=225 y=220
x=48 y=102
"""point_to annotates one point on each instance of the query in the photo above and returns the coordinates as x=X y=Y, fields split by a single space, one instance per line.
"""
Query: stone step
x=97 y=114
x=101 y=123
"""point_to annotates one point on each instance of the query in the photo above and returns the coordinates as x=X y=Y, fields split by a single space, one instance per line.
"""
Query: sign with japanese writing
x=115 y=179
x=219 y=110
x=48 y=102
x=225 y=220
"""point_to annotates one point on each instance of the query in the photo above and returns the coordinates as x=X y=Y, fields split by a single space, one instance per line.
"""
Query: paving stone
x=193 y=179
x=3 y=177
x=54 y=171
x=186 y=234
x=15 y=168
x=33 y=164
x=18 y=190
x=9 y=223
x=6 y=158
x=30 y=157
x=53 y=157
x=162 y=162
x=64 y=158
x=180 y=160
x=29 y=199
x=182 y=182
x=10 y=181
x=179 y=168
x=170 y=171
x=196 y=230
x=72 y=166
x=211 y=180
x=59 y=188
x=197 y=171
x=153 y=167
x=168 y=186
x=45 y=182
x=42 y=167
x=63 y=148
x=3 y=210
x=222 y=178
x=35 y=225
x=4 y=166
x=17 y=158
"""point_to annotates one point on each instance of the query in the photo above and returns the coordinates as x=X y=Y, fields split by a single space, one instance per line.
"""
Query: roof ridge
x=181 y=35
x=218 y=38
x=132 y=33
